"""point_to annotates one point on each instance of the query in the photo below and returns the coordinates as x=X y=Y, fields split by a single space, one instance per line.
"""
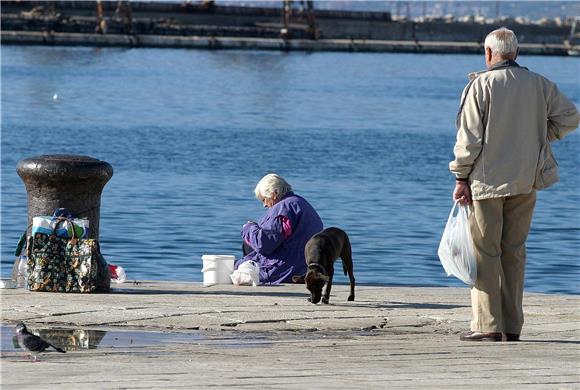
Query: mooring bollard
x=65 y=181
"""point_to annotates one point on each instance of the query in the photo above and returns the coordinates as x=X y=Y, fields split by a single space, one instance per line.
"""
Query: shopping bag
x=456 y=251
x=63 y=227
x=62 y=264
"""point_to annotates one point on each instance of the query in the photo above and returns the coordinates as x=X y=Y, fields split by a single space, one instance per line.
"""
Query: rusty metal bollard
x=69 y=181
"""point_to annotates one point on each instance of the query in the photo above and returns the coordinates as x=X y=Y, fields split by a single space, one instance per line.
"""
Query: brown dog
x=321 y=251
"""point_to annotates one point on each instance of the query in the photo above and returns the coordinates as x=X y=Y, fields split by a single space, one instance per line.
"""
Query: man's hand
x=462 y=193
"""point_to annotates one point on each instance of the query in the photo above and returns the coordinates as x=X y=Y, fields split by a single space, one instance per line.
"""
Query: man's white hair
x=272 y=184
x=502 y=41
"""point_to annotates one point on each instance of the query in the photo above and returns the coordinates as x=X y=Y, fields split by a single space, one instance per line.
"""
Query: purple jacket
x=281 y=256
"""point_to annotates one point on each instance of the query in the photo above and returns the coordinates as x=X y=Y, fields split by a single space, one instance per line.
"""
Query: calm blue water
x=366 y=138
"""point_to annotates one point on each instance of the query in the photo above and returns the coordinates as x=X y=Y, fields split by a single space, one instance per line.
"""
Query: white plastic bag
x=456 y=248
x=22 y=278
x=247 y=274
x=19 y=272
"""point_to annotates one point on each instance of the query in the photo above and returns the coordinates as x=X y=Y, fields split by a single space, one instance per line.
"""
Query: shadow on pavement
x=551 y=341
x=401 y=305
x=257 y=292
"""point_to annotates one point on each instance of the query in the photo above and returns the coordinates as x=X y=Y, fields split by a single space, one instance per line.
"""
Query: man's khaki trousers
x=499 y=228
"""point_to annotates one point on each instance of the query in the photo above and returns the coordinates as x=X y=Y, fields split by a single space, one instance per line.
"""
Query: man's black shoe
x=512 y=337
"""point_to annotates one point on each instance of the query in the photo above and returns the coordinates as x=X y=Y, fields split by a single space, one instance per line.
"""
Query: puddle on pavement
x=77 y=339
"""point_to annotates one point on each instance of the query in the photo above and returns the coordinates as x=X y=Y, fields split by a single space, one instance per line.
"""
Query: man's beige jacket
x=507 y=114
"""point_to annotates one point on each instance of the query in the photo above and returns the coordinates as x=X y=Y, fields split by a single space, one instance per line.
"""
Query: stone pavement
x=184 y=335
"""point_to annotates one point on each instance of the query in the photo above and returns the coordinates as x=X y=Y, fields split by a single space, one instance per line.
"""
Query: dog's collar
x=316 y=265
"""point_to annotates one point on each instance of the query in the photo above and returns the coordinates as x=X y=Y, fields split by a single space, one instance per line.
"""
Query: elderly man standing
x=507 y=115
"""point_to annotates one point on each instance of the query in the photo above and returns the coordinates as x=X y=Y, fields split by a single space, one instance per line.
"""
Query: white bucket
x=217 y=269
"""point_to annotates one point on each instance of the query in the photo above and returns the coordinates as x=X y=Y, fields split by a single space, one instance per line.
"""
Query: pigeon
x=31 y=342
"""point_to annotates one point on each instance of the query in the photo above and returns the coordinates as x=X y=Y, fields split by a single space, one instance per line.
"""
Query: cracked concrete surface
x=271 y=337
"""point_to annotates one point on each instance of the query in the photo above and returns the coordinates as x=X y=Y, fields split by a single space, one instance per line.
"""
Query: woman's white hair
x=272 y=184
x=502 y=41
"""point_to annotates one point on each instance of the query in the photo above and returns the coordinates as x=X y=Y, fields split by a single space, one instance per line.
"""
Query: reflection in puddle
x=75 y=339
x=69 y=340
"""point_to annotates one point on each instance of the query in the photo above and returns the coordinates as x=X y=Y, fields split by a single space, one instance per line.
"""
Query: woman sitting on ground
x=276 y=242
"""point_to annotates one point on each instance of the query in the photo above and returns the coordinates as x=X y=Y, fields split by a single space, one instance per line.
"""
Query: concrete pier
x=247 y=43
x=272 y=338
x=209 y=26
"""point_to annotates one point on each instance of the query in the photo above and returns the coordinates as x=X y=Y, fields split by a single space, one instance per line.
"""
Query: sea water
x=365 y=138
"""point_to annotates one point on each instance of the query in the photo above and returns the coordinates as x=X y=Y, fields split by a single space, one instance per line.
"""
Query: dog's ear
x=313 y=275
x=323 y=277
x=298 y=279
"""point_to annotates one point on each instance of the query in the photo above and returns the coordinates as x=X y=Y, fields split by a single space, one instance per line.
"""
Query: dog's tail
x=346 y=254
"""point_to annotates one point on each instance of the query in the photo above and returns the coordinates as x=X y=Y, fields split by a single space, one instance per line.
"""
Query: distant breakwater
x=204 y=25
